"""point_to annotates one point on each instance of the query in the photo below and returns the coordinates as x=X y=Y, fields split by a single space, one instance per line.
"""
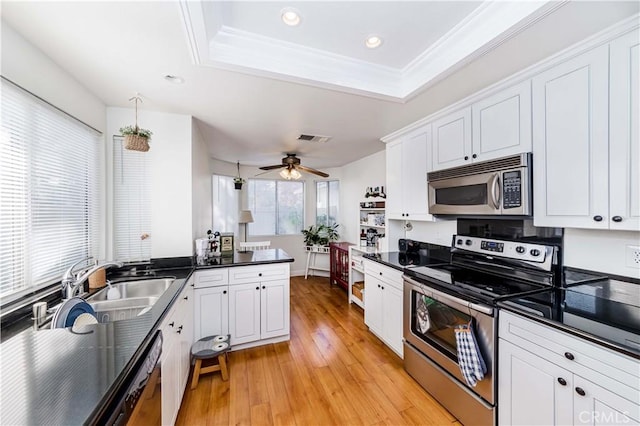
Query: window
x=131 y=203
x=49 y=192
x=277 y=207
x=327 y=199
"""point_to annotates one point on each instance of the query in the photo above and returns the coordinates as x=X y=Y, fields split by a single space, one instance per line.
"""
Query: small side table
x=311 y=263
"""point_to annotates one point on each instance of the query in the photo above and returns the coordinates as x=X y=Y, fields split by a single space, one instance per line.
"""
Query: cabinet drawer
x=389 y=275
x=586 y=359
x=211 y=277
x=252 y=274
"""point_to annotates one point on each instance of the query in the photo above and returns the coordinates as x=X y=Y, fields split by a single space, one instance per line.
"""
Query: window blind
x=49 y=192
x=131 y=199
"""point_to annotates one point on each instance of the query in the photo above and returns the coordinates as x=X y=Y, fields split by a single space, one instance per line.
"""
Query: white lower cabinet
x=258 y=311
x=383 y=304
x=177 y=334
x=251 y=303
x=548 y=377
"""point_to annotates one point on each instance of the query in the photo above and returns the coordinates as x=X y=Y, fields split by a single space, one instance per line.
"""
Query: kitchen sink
x=136 y=297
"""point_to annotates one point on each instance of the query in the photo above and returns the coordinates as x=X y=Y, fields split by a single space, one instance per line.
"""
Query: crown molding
x=216 y=45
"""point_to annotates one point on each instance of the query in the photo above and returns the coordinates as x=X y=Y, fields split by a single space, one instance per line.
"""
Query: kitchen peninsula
x=79 y=375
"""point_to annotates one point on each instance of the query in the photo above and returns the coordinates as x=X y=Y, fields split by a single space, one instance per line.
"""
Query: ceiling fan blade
x=279 y=166
x=314 y=171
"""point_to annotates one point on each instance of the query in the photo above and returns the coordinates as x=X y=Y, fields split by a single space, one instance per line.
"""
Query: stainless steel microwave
x=495 y=187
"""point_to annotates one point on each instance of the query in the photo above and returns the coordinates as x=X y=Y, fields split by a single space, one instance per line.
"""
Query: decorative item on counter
x=378 y=191
x=226 y=244
x=320 y=235
x=238 y=181
x=135 y=138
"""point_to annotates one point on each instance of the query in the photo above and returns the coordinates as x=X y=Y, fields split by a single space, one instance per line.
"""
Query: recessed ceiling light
x=290 y=16
x=373 y=41
x=174 y=79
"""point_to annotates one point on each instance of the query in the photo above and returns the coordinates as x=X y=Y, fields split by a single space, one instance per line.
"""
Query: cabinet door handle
x=569 y=356
x=378 y=285
x=562 y=381
x=380 y=273
x=263 y=287
x=171 y=324
x=597 y=218
x=580 y=391
x=383 y=287
x=186 y=298
x=260 y=274
x=466 y=157
x=474 y=156
x=617 y=218
x=258 y=288
x=193 y=285
x=224 y=292
x=179 y=330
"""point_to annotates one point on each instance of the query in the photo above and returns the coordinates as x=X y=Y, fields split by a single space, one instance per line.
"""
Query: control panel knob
x=534 y=252
x=468 y=242
x=459 y=242
x=520 y=249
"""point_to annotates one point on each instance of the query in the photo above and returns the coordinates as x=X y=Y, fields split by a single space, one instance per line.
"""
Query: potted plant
x=320 y=235
x=135 y=138
x=238 y=181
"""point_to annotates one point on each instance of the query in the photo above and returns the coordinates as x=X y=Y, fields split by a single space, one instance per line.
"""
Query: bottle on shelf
x=363 y=239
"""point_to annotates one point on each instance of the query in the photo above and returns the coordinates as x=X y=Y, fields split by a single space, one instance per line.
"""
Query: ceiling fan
x=291 y=165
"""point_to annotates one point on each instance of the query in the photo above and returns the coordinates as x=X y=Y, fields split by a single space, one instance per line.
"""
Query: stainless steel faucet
x=73 y=280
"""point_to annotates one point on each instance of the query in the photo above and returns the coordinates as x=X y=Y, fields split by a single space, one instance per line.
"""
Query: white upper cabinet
x=452 y=139
x=624 y=145
x=494 y=127
x=407 y=166
x=585 y=140
x=502 y=123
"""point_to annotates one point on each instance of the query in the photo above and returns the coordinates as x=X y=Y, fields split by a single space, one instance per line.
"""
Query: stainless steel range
x=437 y=299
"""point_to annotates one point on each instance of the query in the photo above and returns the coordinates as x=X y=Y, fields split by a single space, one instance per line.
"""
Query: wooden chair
x=254 y=245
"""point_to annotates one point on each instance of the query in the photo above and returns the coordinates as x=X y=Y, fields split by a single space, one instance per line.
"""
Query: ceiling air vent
x=314 y=138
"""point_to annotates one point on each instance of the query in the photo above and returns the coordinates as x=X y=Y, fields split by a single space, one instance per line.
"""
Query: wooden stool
x=208 y=348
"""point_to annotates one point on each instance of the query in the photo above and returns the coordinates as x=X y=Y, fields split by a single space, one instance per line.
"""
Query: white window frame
x=277 y=182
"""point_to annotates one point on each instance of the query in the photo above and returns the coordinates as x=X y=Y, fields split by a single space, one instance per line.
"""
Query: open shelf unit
x=356 y=273
x=372 y=218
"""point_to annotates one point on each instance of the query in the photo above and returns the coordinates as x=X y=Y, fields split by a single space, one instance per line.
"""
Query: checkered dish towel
x=470 y=360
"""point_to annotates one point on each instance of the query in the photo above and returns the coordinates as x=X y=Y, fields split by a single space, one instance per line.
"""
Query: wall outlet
x=633 y=256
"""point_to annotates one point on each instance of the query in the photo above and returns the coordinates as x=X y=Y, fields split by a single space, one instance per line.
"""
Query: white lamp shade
x=245 y=216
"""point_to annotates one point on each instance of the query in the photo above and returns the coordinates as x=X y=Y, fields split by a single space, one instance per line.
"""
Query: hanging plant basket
x=136 y=143
x=238 y=181
x=135 y=138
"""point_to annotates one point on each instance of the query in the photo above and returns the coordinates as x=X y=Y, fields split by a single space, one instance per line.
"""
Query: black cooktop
x=606 y=311
x=402 y=260
x=477 y=285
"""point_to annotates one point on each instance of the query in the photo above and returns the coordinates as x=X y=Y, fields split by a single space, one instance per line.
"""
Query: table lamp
x=244 y=218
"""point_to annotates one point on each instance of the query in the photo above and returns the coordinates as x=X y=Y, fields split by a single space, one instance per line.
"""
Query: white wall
x=201 y=181
x=602 y=251
x=356 y=177
x=27 y=66
x=171 y=174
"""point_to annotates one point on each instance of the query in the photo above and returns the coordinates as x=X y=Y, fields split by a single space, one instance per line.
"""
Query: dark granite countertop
x=62 y=376
x=256 y=257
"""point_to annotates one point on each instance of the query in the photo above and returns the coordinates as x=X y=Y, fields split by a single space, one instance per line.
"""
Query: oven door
x=430 y=318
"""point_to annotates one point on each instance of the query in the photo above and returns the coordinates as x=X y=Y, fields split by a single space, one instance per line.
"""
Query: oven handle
x=439 y=294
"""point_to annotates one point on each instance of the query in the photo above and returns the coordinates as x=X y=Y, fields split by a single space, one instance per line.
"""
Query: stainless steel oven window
x=435 y=322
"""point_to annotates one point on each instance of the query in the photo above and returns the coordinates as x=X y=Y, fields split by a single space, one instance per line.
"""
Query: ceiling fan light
x=295 y=174
x=286 y=174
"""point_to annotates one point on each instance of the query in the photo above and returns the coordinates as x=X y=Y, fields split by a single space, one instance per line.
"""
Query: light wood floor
x=333 y=371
